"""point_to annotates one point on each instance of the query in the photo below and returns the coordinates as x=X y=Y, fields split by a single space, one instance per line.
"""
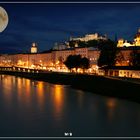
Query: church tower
x=34 y=48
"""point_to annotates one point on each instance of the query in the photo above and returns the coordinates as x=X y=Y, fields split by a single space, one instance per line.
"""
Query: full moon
x=3 y=19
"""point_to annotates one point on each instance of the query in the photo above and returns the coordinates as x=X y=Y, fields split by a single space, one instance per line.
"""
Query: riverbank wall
x=97 y=84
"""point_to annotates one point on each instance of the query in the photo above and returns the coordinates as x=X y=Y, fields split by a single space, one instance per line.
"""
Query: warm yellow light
x=32 y=66
x=58 y=98
x=111 y=103
x=44 y=68
x=57 y=62
x=20 y=62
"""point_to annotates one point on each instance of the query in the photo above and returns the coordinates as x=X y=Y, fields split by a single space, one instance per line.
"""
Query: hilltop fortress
x=89 y=37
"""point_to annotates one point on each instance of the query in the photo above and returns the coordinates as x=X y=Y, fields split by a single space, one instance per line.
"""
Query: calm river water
x=36 y=108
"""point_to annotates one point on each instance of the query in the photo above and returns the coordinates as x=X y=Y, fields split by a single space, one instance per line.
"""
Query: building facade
x=122 y=72
x=49 y=60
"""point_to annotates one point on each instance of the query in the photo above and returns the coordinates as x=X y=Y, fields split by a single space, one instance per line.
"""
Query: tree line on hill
x=91 y=43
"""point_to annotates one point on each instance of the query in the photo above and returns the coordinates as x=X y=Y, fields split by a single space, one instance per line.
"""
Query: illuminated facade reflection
x=40 y=93
x=58 y=99
x=111 y=104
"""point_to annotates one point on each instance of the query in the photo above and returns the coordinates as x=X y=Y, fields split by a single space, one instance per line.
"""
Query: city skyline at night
x=48 y=23
x=69 y=70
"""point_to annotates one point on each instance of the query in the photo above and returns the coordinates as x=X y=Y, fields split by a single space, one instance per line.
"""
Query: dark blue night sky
x=56 y=22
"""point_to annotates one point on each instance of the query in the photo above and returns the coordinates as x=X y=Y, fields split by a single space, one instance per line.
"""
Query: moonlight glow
x=3 y=19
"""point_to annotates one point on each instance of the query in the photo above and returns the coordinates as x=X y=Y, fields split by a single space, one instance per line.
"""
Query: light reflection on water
x=36 y=108
x=111 y=104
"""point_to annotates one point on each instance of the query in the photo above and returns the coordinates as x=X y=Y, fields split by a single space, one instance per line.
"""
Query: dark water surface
x=36 y=108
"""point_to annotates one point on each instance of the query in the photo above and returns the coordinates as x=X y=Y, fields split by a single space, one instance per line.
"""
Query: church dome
x=34 y=48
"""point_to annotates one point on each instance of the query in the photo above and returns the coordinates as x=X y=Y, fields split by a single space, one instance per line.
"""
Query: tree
x=85 y=63
x=82 y=43
x=75 y=61
x=72 y=44
x=69 y=62
x=108 y=53
x=92 y=43
x=134 y=58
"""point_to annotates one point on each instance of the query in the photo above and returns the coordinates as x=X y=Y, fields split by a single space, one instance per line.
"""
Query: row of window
x=129 y=74
x=81 y=51
x=93 y=59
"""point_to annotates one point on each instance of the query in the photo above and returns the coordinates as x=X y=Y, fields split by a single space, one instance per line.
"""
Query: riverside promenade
x=102 y=85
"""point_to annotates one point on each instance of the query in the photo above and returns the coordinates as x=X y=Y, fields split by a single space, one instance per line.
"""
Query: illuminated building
x=83 y=51
x=63 y=54
x=136 y=42
x=89 y=37
x=93 y=55
x=122 y=43
x=51 y=60
x=44 y=60
x=123 y=71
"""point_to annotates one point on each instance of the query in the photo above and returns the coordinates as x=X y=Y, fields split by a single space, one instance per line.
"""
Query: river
x=30 y=108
